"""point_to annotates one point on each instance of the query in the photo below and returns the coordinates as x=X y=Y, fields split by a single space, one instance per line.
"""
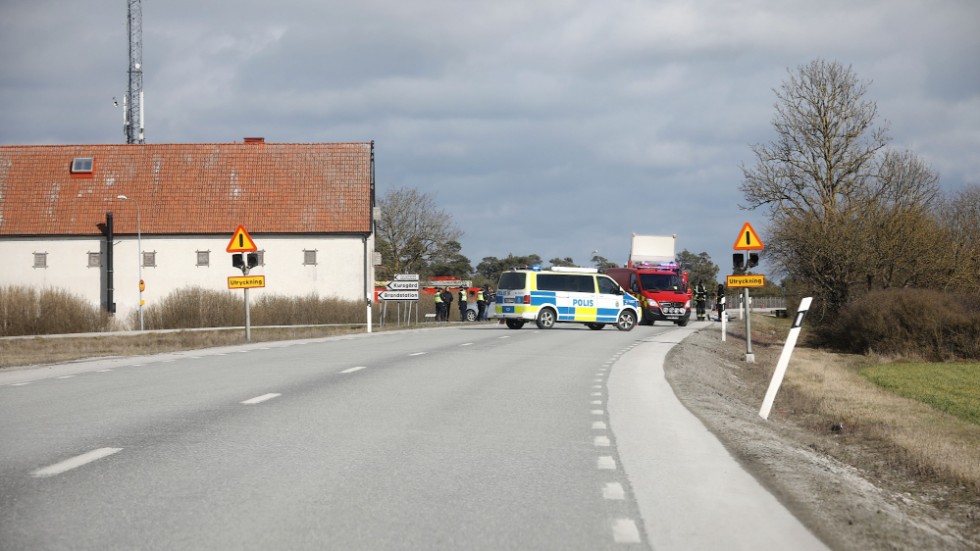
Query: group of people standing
x=444 y=299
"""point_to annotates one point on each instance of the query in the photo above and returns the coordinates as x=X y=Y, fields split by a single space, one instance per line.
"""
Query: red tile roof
x=188 y=188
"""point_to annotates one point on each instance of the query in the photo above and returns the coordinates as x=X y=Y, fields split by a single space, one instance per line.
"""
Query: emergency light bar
x=575 y=269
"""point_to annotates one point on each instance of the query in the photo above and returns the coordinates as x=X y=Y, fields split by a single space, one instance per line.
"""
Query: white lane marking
x=597 y=386
x=19 y=384
x=260 y=399
x=596 y=402
x=466 y=344
x=625 y=531
x=74 y=462
x=598 y=412
x=103 y=370
x=613 y=490
x=599 y=425
x=606 y=463
x=602 y=441
x=353 y=369
x=65 y=377
x=417 y=354
x=504 y=337
x=596 y=394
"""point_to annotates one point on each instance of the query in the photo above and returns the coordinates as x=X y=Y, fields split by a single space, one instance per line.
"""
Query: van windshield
x=661 y=282
x=512 y=281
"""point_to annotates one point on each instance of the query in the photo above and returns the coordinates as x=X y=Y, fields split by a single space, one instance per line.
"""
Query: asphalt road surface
x=462 y=437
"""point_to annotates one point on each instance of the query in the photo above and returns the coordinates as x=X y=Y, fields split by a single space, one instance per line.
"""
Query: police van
x=578 y=295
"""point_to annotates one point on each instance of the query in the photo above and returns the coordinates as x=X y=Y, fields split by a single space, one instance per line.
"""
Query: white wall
x=338 y=273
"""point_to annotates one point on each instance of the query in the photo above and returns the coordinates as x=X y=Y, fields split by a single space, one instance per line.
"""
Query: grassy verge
x=905 y=423
x=951 y=388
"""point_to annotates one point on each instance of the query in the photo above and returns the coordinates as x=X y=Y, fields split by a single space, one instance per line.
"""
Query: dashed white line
x=602 y=441
x=598 y=412
x=606 y=463
x=74 y=462
x=466 y=344
x=625 y=531
x=417 y=354
x=596 y=402
x=599 y=425
x=103 y=370
x=19 y=384
x=65 y=377
x=260 y=399
x=613 y=491
x=353 y=369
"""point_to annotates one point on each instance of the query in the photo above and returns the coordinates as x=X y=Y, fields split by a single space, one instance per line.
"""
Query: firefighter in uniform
x=462 y=303
x=700 y=299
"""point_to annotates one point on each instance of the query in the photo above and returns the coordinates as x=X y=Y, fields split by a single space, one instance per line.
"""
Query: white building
x=307 y=207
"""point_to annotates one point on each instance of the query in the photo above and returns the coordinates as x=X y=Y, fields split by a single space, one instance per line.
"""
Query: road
x=463 y=437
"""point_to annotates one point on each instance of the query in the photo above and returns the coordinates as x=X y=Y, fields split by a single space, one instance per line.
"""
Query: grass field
x=950 y=388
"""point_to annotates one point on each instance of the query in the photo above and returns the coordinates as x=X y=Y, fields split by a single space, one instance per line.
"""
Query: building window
x=149 y=259
x=82 y=167
x=309 y=257
x=40 y=260
x=94 y=260
x=203 y=258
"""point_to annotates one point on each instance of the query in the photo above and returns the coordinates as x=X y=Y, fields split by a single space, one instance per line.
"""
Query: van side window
x=634 y=283
x=512 y=281
x=607 y=286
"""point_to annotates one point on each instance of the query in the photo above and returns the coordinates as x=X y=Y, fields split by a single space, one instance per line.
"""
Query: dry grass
x=37 y=351
x=906 y=438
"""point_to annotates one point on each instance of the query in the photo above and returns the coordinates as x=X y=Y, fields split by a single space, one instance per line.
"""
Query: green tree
x=602 y=263
x=699 y=267
x=448 y=260
x=491 y=267
x=567 y=261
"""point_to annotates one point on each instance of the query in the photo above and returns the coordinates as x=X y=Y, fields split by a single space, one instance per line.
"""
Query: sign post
x=241 y=244
x=747 y=240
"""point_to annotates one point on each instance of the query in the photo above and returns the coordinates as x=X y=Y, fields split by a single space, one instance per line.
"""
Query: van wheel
x=515 y=324
x=596 y=326
x=547 y=318
x=471 y=315
x=626 y=320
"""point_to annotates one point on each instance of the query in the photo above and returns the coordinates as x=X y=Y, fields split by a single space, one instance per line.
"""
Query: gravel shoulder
x=842 y=503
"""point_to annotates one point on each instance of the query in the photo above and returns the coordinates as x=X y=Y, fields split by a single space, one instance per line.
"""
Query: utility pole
x=133 y=100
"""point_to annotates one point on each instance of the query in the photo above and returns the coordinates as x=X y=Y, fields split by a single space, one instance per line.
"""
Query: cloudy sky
x=554 y=127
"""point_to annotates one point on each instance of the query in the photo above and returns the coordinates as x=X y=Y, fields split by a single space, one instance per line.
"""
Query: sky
x=549 y=127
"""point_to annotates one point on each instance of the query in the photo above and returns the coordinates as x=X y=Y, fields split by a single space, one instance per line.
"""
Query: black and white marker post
x=777 y=376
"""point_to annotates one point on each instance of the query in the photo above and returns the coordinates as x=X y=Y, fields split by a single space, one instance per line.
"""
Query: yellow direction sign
x=748 y=240
x=241 y=242
x=246 y=282
x=751 y=280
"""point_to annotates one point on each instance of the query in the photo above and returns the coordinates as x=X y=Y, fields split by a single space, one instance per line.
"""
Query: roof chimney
x=255 y=140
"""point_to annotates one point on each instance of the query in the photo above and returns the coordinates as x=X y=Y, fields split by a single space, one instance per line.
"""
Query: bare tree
x=411 y=231
x=817 y=176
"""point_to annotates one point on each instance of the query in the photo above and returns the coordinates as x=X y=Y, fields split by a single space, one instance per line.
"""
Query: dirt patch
x=851 y=493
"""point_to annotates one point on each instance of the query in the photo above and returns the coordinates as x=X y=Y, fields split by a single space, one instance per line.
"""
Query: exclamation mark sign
x=241 y=240
x=748 y=238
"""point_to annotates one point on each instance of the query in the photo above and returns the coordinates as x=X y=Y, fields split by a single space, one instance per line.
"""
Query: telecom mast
x=133 y=100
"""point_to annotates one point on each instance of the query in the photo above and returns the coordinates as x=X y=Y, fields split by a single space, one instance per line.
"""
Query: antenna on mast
x=133 y=100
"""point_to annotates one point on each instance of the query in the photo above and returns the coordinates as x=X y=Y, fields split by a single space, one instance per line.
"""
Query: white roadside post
x=777 y=376
x=723 y=316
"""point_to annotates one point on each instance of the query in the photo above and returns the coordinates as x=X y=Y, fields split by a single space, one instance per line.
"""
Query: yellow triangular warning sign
x=748 y=240
x=241 y=242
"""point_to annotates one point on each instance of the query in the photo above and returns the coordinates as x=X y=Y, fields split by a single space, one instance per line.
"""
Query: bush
x=195 y=307
x=308 y=310
x=29 y=311
x=913 y=323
